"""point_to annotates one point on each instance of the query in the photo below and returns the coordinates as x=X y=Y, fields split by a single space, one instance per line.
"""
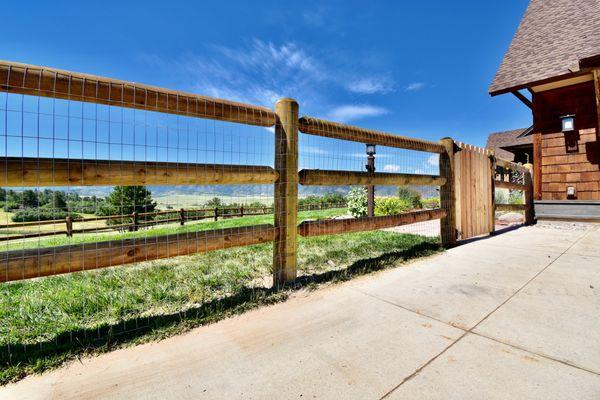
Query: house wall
x=571 y=159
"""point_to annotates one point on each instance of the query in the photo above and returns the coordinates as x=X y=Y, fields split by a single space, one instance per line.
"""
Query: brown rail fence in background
x=34 y=172
x=145 y=220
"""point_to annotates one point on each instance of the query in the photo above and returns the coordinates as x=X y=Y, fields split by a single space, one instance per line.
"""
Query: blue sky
x=415 y=68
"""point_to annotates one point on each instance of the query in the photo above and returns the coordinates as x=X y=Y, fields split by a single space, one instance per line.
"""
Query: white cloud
x=350 y=112
x=312 y=150
x=370 y=85
x=420 y=171
x=433 y=160
x=391 y=168
x=415 y=86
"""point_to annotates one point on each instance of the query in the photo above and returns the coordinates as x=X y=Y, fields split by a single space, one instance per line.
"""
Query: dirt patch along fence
x=284 y=175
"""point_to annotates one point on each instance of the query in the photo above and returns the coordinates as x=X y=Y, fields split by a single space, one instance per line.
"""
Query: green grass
x=48 y=321
x=166 y=229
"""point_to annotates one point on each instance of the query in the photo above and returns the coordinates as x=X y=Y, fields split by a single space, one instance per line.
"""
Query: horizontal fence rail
x=511 y=165
x=33 y=263
x=510 y=185
x=511 y=207
x=319 y=127
x=56 y=83
x=335 y=226
x=315 y=177
x=31 y=172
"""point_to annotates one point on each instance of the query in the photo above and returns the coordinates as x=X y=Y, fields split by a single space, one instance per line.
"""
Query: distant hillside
x=245 y=190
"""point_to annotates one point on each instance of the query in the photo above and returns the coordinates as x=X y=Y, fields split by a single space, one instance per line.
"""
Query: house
x=515 y=145
x=553 y=67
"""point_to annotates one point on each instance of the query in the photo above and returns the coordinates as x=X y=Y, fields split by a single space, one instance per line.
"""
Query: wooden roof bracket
x=523 y=99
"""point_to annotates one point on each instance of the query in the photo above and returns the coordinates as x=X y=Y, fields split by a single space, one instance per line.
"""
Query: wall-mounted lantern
x=370 y=149
x=571 y=192
x=568 y=123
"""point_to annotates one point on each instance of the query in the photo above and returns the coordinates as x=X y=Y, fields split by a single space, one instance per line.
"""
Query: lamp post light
x=370 y=188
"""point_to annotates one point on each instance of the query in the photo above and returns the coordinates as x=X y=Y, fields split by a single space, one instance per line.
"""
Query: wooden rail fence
x=58 y=84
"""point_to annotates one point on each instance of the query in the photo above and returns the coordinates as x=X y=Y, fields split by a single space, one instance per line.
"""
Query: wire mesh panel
x=157 y=191
x=131 y=211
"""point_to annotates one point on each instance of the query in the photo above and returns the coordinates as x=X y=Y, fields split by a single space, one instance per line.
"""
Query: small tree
x=410 y=196
x=214 y=202
x=357 y=202
x=126 y=200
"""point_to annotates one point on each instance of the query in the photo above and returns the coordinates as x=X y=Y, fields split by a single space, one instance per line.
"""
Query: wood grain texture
x=475 y=191
x=319 y=127
x=336 y=226
x=33 y=172
x=511 y=207
x=33 y=263
x=316 y=177
x=285 y=249
x=55 y=83
x=511 y=185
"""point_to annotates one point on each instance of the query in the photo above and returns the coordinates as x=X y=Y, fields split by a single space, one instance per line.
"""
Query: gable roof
x=500 y=140
x=551 y=39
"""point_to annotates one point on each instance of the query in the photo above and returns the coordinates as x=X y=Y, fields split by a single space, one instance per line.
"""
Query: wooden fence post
x=286 y=192
x=134 y=216
x=216 y=213
x=529 y=210
x=447 y=193
x=69 y=222
x=241 y=211
x=493 y=187
x=182 y=217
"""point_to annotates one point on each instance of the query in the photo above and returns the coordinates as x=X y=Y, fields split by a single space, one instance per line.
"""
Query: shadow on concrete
x=72 y=344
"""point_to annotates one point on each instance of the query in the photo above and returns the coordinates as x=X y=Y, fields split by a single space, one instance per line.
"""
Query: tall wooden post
x=529 y=210
x=286 y=192
x=134 y=218
x=69 y=222
x=447 y=193
x=182 y=217
x=493 y=194
x=371 y=188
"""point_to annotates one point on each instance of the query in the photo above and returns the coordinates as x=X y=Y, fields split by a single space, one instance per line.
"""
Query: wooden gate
x=474 y=191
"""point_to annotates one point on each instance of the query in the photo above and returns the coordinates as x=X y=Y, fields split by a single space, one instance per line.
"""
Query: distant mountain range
x=245 y=190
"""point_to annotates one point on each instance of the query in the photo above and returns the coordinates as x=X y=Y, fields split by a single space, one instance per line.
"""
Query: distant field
x=198 y=200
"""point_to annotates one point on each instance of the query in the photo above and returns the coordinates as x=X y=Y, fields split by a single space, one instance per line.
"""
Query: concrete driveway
x=515 y=316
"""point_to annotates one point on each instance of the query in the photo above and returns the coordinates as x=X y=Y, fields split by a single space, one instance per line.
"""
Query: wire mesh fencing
x=188 y=208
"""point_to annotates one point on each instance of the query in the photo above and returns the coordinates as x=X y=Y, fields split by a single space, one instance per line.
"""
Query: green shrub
x=10 y=206
x=411 y=196
x=391 y=206
x=500 y=196
x=357 y=202
x=515 y=197
x=431 y=203
x=45 y=214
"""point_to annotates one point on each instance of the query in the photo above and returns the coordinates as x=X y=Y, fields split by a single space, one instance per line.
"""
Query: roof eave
x=556 y=78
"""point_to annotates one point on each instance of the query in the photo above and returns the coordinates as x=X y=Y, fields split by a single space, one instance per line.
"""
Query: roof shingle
x=552 y=37
x=496 y=141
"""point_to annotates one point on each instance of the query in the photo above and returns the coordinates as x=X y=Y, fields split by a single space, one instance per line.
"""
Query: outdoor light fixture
x=370 y=149
x=570 y=192
x=568 y=123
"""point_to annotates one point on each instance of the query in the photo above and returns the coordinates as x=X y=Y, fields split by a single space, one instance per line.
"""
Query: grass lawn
x=45 y=322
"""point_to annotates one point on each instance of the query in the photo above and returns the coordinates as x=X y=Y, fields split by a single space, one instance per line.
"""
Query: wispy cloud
x=391 y=168
x=415 y=86
x=261 y=72
x=370 y=85
x=313 y=150
x=433 y=160
x=351 y=112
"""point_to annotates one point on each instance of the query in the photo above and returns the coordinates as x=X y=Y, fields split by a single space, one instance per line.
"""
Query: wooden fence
x=134 y=221
x=58 y=84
